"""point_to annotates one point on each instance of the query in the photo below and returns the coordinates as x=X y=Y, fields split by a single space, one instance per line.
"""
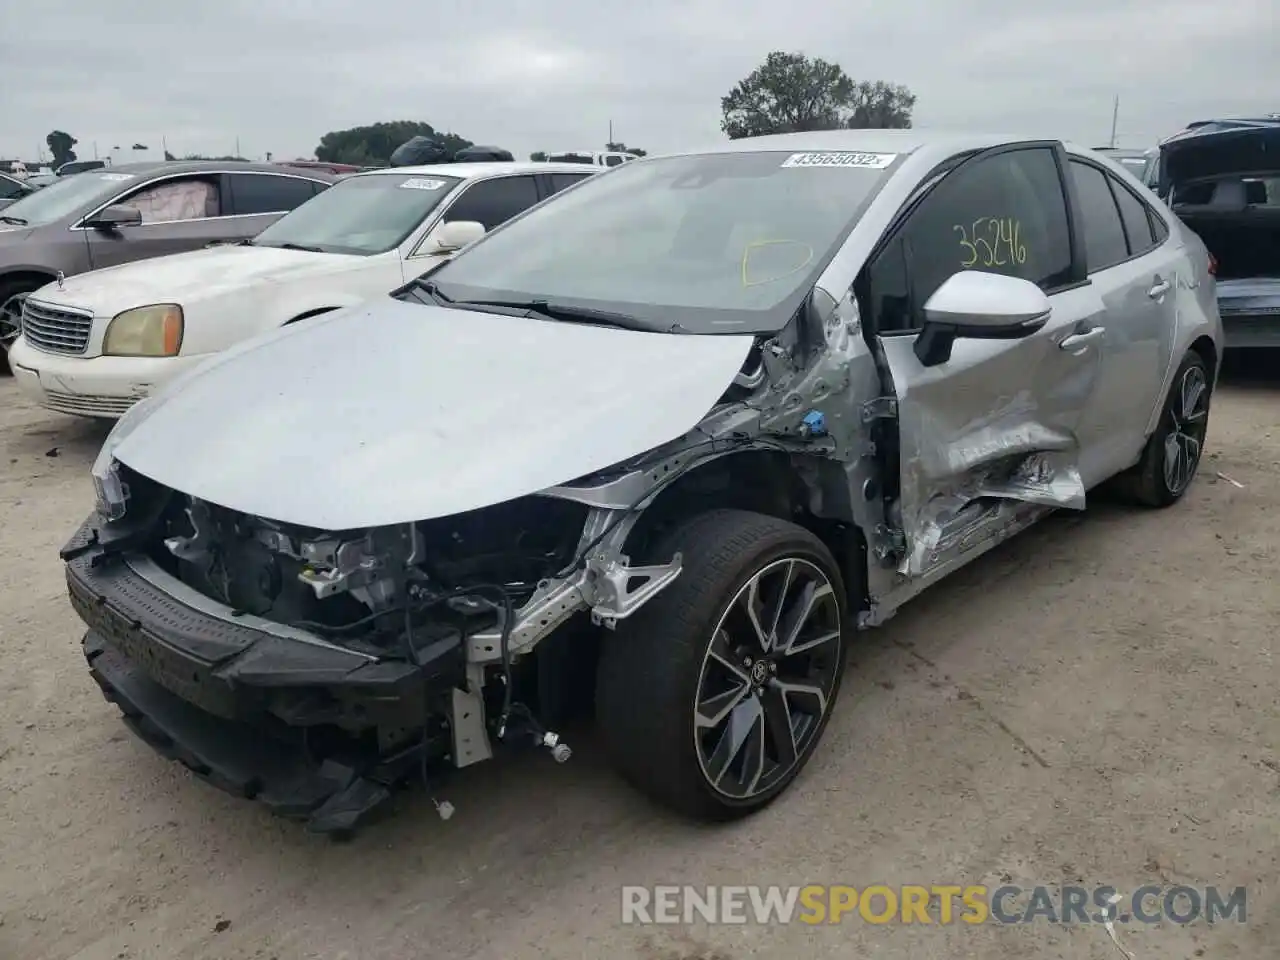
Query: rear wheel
x=714 y=695
x=1172 y=454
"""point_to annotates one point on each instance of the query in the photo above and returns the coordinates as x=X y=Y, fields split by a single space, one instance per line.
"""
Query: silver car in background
x=101 y=218
x=665 y=440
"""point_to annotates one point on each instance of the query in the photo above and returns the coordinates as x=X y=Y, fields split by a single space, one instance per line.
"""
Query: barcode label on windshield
x=873 y=161
x=116 y=176
x=421 y=183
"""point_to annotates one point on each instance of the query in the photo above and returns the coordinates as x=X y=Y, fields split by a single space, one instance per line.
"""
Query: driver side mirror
x=114 y=217
x=979 y=306
x=453 y=235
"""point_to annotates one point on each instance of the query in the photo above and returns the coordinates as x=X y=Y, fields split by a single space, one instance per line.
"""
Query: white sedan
x=94 y=344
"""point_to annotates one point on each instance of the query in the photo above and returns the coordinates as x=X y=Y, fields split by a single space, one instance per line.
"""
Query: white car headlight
x=111 y=492
x=150 y=331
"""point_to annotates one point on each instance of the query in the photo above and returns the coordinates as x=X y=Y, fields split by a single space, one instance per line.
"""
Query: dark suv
x=101 y=218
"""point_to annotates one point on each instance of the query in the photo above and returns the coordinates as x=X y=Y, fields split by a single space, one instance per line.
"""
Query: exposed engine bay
x=347 y=584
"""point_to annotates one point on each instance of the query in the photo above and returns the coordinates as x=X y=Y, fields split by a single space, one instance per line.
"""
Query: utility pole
x=237 y=146
x=1115 y=115
x=611 y=131
x=95 y=149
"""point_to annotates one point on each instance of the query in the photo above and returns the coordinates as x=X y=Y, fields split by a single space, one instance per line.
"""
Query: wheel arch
x=38 y=274
x=809 y=490
x=1207 y=350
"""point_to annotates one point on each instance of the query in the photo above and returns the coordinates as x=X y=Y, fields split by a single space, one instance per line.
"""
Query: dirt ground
x=1093 y=703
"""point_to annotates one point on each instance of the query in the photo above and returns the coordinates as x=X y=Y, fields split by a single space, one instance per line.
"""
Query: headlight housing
x=150 y=331
x=110 y=492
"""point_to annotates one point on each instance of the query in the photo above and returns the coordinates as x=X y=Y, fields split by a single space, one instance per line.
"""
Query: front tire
x=714 y=695
x=1172 y=454
x=12 y=293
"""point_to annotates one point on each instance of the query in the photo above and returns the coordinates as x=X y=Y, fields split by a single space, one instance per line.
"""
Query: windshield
x=363 y=215
x=714 y=243
x=67 y=195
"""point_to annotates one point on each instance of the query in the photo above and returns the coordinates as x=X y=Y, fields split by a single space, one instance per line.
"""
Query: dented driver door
x=987 y=439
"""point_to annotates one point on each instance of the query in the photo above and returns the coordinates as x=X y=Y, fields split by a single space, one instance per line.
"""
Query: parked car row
x=1222 y=179
x=94 y=344
x=104 y=218
x=659 y=439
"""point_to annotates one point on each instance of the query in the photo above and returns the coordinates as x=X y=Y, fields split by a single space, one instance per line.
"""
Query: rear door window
x=1134 y=215
x=255 y=193
x=561 y=180
x=1104 y=238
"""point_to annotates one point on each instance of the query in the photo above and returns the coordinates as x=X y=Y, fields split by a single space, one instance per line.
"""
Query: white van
x=598 y=158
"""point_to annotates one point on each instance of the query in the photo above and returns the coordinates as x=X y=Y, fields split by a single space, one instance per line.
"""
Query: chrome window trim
x=78 y=226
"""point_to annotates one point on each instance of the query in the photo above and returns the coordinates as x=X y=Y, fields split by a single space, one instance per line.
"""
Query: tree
x=623 y=148
x=538 y=156
x=60 y=144
x=791 y=92
x=169 y=156
x=881 y=106
x=140 y=146
x=372 y=145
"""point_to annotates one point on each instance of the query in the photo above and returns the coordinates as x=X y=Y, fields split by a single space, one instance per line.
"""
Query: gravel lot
x=1094 y=702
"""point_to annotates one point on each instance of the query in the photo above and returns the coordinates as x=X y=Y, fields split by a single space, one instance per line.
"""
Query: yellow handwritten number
x=989 y=256
x=996 y=232
x=967 y=245
x=992 y=242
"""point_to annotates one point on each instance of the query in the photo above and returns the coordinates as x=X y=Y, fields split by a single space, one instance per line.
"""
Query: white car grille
x=82 y=405
x=55 y=329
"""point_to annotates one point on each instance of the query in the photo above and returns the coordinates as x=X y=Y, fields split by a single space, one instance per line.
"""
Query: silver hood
x=392 y=411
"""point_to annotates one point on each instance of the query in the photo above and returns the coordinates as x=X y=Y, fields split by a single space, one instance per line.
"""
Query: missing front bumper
x=330 y=797
x=316 y=732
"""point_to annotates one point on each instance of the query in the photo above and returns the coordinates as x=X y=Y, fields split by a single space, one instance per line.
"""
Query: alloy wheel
x=11 y=317
x=1189 y=414
x=767 y=678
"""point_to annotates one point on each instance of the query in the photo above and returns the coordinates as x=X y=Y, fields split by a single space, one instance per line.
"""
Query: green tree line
x=787 y=93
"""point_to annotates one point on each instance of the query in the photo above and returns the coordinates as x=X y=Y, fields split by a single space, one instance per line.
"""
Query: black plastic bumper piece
x=329 y=797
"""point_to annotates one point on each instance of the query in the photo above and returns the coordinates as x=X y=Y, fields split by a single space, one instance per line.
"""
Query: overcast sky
x=551 y=74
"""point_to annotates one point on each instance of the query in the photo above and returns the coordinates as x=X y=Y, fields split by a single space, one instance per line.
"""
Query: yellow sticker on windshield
x=869 y=161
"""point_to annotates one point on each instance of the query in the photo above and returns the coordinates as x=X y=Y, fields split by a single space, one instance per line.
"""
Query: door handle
x=1077 y=342
x=1159 y=289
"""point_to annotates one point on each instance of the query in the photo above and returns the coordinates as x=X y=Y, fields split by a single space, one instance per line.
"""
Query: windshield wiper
x=14 y=220
x=566 y=312
x=290 y=246
x=545 y=308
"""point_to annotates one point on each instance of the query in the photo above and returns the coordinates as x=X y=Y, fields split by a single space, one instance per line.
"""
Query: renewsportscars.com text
x=933 y=904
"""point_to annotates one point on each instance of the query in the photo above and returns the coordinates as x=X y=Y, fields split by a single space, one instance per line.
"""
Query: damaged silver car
x=658 y=446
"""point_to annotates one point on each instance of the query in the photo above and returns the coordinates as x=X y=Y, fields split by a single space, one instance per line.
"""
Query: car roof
x=145 y=169
x=1209 y=128
x=1125 y=151
x=473 y=171
x=939 y=143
